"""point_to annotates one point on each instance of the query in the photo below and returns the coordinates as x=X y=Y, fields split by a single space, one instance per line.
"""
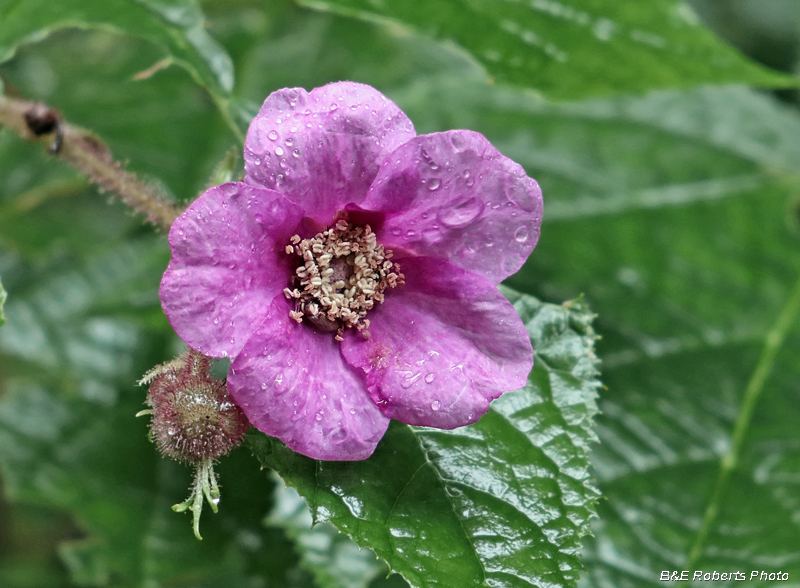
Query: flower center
x=342 y=274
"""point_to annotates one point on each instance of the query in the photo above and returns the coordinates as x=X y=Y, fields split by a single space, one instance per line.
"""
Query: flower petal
x=454 y=196
x=292 y=383
x=441 y=347
x=322 y=149
x=227 y=265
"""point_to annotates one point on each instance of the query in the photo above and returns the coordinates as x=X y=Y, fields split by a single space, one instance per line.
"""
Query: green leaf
x=177 y=26
x=334 y=560
x=506 y=500
x=573 y=48
x=676 y=215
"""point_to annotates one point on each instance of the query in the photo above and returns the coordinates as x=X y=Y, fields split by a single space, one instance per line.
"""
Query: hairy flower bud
x=194 y=420
x=194 y=417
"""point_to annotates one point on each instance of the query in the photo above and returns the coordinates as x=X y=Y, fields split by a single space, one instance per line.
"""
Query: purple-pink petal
x=322 y=149
x=292 y=383
x=227 y=265
x=441 y=347
x=453 y=196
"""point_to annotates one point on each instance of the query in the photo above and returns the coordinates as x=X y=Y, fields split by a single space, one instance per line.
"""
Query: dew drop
x=410 y=234
x=462 y=214
x=396 y=232
x=319 y=416
x=434 y=183
x=289 y=142
x=338 y=435
x=216 y=320
x=432 y=236
x=352 y=411
x=263 y=385
x=296 y=153
x=521 y=193
x=257 y=161
x=521 y=234
x=435 y=405
x=334 y=106
x=430 y=378
x=457 y=139
x=278 y=151
x=510 y=264
x=273 y=135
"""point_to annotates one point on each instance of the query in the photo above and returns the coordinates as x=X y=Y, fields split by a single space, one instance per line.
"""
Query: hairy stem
x=85 y=152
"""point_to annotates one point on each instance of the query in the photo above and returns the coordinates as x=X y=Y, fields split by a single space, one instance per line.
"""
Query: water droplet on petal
x=263 y=385
x=434 y=183
x=510 y=264
x=338 y=435
x=521 y=193
x=296 y=153
x=435 y=405
x=521 y=234
x=352 y=411
x=461 y=214
x=273 y=135
x=334 y=106
x=289 y=142
x=457 y=139
x=432 y=236
x=396 y=232
x=216 y=320
x=430 y=378
x=278 y=151
x=319 y=416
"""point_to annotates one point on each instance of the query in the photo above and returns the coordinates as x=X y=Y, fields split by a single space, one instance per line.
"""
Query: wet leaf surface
x=504 y=500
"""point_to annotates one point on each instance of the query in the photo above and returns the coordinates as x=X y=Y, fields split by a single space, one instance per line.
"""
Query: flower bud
x=193 y=416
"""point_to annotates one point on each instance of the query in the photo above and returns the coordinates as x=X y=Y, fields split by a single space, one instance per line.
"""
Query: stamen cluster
x=342 y=275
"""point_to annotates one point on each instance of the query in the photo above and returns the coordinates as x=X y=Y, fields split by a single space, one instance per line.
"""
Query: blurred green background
x=676 y=213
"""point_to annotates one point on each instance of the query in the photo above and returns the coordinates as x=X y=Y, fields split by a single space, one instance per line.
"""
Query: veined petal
x=441 y=347
x=322 y=149
x=292 y=383
x=454 y=196
x=228 y=263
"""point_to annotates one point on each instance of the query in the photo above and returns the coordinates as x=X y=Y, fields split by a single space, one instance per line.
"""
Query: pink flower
x=327 y=346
